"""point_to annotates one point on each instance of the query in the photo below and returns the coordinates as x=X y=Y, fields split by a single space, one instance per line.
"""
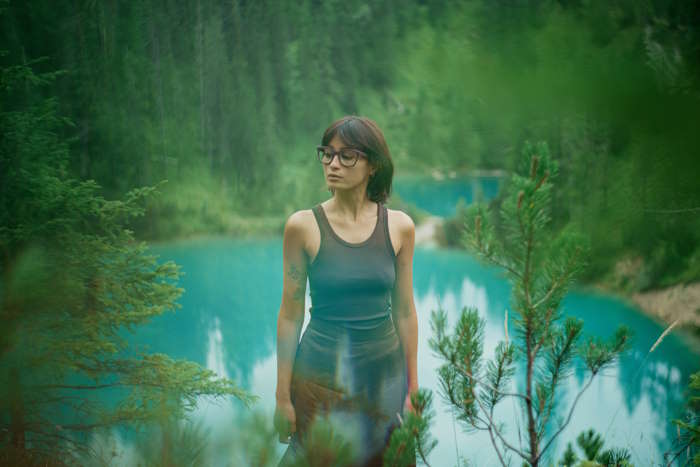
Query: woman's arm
x=403 y=308
x=291 y=314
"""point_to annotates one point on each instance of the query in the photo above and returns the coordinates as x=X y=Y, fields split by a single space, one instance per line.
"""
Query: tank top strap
x=321 y=221
x=384 y=218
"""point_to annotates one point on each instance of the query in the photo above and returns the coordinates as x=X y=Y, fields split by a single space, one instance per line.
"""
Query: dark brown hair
x=363 y=133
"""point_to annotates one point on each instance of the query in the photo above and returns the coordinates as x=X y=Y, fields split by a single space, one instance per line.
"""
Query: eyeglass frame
x=337 y=153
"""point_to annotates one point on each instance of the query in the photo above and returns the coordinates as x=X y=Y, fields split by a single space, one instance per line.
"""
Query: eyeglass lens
x=347 y=157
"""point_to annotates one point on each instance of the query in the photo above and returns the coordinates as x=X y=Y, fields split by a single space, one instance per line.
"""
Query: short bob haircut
x=363 y=133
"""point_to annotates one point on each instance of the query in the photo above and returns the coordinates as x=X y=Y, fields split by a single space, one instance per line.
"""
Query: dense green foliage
x=614 y=88
x=226 y=99
x=687 y=445
x=411 y=440
x=591 y=444
x=73 y=284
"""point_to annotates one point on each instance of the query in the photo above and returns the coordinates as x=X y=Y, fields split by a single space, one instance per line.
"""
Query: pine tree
x=591 y=443
x=412 y=438
x=73 y=284
x=541 y=265
x=687 y=444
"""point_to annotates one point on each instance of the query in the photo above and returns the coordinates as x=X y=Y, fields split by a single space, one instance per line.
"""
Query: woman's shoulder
x=299 y=220
x=300 y=230
x=401 y=229
x=400 y=220
x=303 y=225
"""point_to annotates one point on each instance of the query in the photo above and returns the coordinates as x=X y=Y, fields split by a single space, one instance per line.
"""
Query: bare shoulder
x=401 y=220
x=299 y=225
x=401 y=228
x=298 y=220
x=301 y=229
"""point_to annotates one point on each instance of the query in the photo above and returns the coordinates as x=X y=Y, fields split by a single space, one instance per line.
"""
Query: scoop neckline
x=344 y=242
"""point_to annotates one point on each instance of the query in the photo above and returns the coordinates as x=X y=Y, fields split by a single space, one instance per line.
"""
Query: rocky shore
x=426 y=231
x=680 y=302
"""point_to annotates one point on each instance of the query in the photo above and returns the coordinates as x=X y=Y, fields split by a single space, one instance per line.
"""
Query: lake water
x=228 y=323
x=440 y=198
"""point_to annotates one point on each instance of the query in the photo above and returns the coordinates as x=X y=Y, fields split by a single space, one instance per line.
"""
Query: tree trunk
x=85 y=162
x=531 y=430
x=159 y=90
x=202 y=90
x=17 y=435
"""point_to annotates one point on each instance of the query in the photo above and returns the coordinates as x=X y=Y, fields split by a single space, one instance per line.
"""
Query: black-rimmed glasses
x=348 y=156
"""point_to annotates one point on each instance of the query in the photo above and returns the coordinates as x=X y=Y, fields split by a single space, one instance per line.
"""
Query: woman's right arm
x=291 y=314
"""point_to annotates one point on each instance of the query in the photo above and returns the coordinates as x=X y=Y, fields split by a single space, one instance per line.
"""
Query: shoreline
x=678 y=304
x=426 y=231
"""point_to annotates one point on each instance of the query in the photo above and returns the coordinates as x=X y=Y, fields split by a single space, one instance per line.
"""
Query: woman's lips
x=333 y=177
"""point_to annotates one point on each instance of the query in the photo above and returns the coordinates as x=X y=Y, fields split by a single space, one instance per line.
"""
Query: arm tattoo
x=299 y=278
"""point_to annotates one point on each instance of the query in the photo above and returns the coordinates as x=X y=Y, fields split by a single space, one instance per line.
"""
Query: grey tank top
x=352 y=281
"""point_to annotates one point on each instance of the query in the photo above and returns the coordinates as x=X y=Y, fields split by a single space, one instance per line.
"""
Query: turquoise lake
x=228 y=323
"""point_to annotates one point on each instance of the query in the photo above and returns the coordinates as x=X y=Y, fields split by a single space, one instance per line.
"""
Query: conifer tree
x=591 y=444
x=687 y=444
x=412 y=438
x=541 y=265
x=73 y=284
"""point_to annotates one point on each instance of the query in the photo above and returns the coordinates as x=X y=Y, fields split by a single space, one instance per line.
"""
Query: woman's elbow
x=402 y=312
x=294 y=313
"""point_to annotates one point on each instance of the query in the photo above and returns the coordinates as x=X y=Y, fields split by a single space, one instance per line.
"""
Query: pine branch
x=495 y=446
x=560 y=356
x=413 y=433
x=498 y=374
x=528 y=391
x=683 y=447
x=569 y=269
x=546 y=324
x=488 y=386
x=492 y=426
x=568 y=418
x=474 y=240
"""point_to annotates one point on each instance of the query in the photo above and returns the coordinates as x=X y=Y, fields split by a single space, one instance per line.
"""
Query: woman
x=356 y=363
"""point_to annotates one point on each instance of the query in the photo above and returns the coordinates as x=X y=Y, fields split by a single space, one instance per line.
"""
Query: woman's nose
x=335 y=162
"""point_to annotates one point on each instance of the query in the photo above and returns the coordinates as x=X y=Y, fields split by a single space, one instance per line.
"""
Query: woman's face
x=340 y=177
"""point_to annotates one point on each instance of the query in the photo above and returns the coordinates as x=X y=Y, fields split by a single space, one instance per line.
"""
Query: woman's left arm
x=403 y=308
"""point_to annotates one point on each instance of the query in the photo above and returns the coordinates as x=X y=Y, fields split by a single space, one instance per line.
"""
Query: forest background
x=227 y=100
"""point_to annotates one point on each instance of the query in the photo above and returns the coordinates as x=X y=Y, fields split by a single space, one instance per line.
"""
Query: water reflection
x=228 y=322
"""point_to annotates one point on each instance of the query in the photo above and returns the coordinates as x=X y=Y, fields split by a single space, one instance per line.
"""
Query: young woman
x=356 y=363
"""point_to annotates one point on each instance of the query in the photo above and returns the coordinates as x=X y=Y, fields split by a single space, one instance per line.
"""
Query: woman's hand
x=285 y=420
x=407 y=406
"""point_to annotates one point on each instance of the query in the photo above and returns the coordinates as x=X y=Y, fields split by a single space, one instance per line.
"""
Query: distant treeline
x=227 y=99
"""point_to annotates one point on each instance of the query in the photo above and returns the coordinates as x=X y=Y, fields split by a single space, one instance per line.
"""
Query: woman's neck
x=350 y=206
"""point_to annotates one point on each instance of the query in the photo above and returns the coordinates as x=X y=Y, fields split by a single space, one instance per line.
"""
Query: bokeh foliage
x=74 y=283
